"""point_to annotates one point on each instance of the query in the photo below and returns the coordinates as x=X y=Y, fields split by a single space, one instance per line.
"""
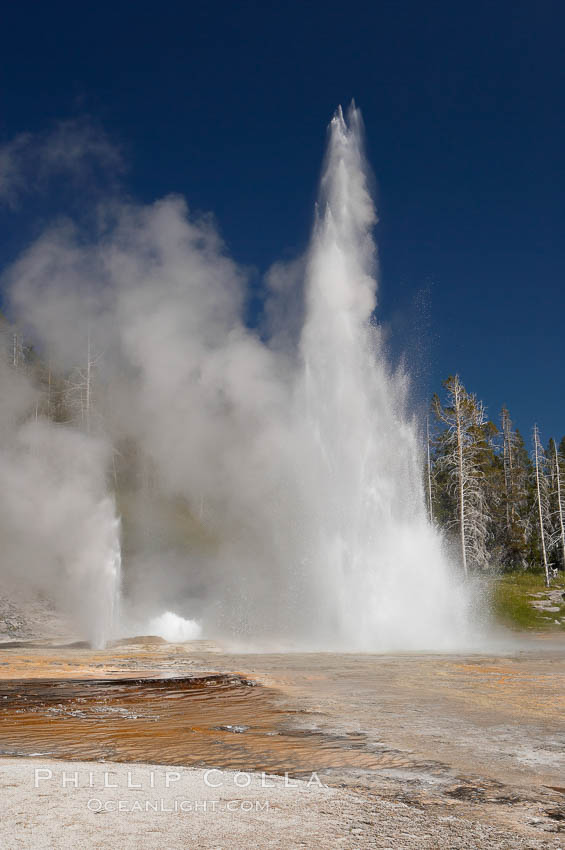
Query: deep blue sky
x=227 y=103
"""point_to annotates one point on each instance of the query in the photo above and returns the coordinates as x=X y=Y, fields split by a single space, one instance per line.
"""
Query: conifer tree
x=516 y=465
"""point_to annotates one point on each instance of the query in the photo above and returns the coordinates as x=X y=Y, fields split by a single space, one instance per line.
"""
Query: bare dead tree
x=17 y=349
x=429 y=471
x=49 y=393
x=464 y=418
x=558 y=538
x=80 y=388
x=508 y=437
x=542 y=498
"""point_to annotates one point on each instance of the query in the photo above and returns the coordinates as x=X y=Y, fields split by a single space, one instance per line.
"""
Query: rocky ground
x=30 y=617
x=549 y=603
x=190 y=814
x=414 y=751
x=427 y=752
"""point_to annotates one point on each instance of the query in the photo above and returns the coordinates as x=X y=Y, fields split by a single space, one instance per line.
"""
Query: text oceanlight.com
x=177 y=805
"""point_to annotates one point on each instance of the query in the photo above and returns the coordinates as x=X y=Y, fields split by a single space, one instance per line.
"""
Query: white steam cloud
x=76 y=150
x=269 y=491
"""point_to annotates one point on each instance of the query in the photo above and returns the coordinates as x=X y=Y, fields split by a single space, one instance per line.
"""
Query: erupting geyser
x=103 y=574
x=381 y=577
x=333 y=549
x=272 y=490
x=362 y=566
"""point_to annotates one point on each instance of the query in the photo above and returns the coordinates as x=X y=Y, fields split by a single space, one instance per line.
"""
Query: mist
x=265 y=484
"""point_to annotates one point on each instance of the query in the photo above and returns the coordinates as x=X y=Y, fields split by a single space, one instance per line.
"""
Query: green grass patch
x=512 y=601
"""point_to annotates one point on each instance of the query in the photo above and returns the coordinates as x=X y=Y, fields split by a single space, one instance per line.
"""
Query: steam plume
x=270 y=491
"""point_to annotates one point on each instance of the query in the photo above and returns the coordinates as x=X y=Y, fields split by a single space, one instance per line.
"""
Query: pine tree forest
x=499 y=496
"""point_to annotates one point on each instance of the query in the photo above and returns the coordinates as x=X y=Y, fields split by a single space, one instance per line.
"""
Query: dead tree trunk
x=429 y=471
x=87 y=389
x=561 y=524
x=461 y=483
x=462 y=446
x=507 y=456
x=541 y=500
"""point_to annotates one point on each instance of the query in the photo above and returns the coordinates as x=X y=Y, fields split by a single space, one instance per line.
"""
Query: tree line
x=66 y=399
x=500 y=501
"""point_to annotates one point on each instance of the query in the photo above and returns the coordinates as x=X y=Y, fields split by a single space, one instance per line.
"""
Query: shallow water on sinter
x=210 y=719
x=351 y=718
